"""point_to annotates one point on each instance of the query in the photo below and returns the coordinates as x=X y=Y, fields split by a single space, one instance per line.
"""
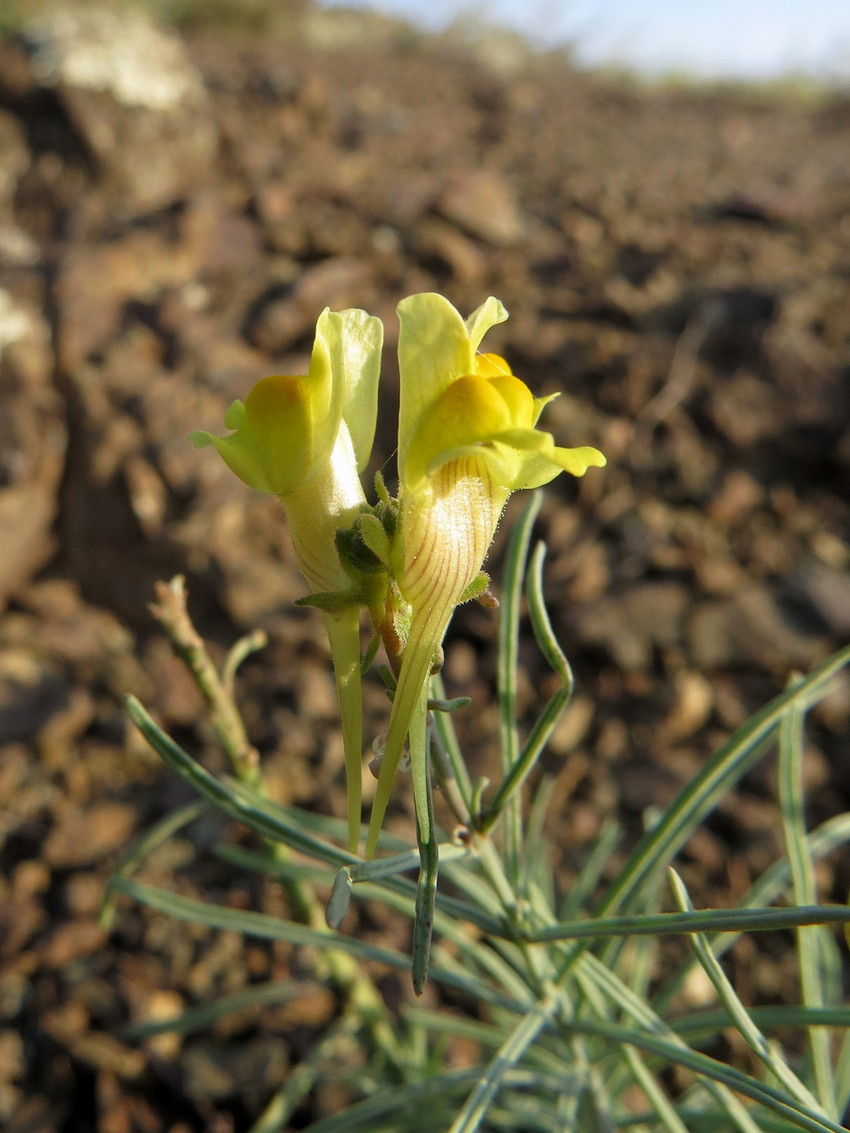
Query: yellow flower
x=306 y=439
x=467 y=439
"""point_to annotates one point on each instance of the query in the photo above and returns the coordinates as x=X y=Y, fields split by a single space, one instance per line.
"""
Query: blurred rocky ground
x=175 y=210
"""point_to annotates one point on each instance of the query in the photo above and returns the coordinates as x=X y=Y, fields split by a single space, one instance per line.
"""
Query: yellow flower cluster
x=467 y=439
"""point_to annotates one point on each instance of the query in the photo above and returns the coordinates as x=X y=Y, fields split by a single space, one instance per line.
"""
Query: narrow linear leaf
x=541 y=623
x=702 y=920
x=235 y=799
x=524 y=1034
x=732 y=760
x=506 y=676
x=386 y=881
x=266 y=927
x=422 y=1106
x=160 y=832
x=592 y=972
x=523 y=762
x=738 y=1013
x=429 y=854
x=777 y=1102
x=443 y=733
x=704 y=1024
x=648 y=1082
x=767 y=888
x=804 y=888
x=202 y=1017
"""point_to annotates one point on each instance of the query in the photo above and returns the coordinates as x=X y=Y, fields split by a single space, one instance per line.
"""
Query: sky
x=759 y=39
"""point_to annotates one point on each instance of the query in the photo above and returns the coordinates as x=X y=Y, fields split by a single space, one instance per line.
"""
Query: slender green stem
x=426 y=835
x=524 y=761
x=444 y=775
x=445 y=740
x=171 y=611
x=343 y=631
x=508 y=663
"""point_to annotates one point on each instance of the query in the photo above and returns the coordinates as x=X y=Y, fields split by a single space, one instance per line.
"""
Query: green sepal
x=395 y=623
x=355 y=554
x=381 y=489
x=387 y=513
x=234 y=418
x=331 y=602
x=375 y=536
x=476 y=588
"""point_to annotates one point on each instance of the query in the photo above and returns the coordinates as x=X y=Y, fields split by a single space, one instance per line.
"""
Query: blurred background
x=753 y=39
x=659 y=193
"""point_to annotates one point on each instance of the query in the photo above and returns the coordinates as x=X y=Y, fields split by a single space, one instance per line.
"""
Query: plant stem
x=171 y=611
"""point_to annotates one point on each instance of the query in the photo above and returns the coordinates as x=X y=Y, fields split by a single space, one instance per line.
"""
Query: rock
x=736 y=498
x=32 y=444
x=746 y=409
x=768 y=206
x=83 y=837
x=97 y=283
x=725 y=326
x=17 y=80
x=251 y=1068
x=12 y=1065
x=482 y=203
x=145 y=241
x=630 y=626
x=692 y=706
x=35 y=1115
x=133 y=97
x=31 y=692
x=825 y=593
x=60 y=624
x=14 y=158
x=749 y=629
x=448 y=248
x=283 y=315
x=71 y=941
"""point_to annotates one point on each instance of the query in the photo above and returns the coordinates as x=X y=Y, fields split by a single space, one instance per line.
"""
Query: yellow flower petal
x=517 y=398
x=470 y=411
x=435 y=348
x=492 y=366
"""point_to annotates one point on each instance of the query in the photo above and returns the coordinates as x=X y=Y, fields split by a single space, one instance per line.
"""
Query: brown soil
x=675 y=261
